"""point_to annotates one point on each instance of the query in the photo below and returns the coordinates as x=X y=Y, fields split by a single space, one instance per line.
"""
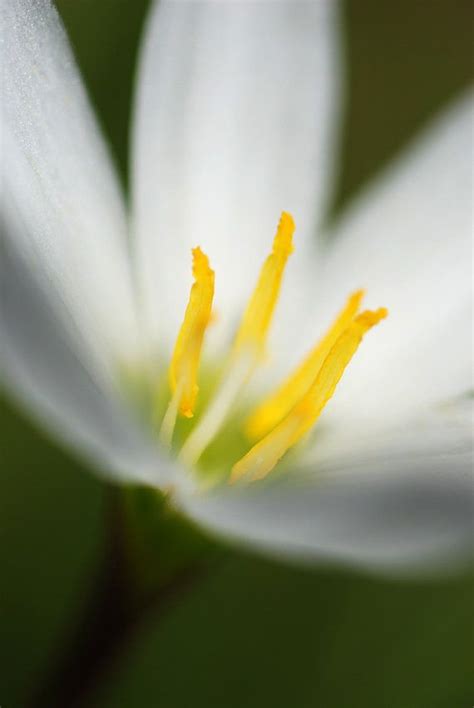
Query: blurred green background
x=243 y=632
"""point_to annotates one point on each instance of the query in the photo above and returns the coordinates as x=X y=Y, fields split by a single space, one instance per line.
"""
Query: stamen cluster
x=283 y=418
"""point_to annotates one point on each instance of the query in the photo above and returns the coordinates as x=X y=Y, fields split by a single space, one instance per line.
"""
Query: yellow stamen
x=187 y=352
x=258 y=315
x=249 y=345
x=263 y=456
x=269 y=413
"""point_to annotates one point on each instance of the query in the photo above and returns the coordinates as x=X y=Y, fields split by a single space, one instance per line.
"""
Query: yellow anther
x=263 y=456
x=269 y=413
x=249 y=345
x=256 y=321
x=187 y=352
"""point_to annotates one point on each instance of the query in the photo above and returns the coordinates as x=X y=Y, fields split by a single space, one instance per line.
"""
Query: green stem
x=152 y=557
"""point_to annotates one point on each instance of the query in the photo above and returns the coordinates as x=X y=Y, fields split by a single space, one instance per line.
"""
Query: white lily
x=236 y=118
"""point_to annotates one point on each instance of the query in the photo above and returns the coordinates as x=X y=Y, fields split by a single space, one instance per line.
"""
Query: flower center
x=279 y=422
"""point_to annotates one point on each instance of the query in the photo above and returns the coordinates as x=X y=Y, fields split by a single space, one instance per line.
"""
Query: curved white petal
x=42 y=367
x=236 y=106
x=66 y=308
x=408 y=240
x=408 y=506
x=61 y=205
x=388 y=480
x=434 y=433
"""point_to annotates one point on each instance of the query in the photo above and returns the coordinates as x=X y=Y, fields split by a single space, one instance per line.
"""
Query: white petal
x=391 y=480
x=407 y=508
x=408 y=241
x=433 y=434
x=236 y=108
x=66 y=306
x=43 y=368
x=62 y=207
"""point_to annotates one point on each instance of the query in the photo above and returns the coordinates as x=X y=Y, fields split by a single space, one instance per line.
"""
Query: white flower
x=236 y=118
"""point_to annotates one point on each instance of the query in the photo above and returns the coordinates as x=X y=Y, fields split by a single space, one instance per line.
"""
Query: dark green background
x=246 y=633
